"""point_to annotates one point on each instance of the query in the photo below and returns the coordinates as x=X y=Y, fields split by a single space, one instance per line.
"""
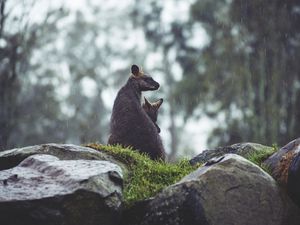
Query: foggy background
x=229 y=69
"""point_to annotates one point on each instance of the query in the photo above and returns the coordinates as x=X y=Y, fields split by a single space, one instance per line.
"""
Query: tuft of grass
x=258 y=157
x=146 y=177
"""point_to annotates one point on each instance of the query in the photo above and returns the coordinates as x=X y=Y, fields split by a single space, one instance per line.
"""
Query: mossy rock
x=254 y=152
x=146 y=177
x=230 y=191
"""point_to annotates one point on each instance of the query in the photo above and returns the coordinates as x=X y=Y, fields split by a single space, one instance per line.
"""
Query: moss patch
x=146 y=177
x=258 y=157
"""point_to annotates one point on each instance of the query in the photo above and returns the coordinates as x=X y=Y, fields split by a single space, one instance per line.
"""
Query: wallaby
x=151 y=108
x=130 y=125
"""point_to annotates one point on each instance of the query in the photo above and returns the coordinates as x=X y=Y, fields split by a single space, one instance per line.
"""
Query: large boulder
x=231 y=191
x=43 y=189
x=293 y=181
x=284 y=166
x=243 y=149
x=13 y=157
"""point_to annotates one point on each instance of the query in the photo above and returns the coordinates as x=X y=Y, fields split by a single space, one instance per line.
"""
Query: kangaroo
x=130 y=125
x=152 y=110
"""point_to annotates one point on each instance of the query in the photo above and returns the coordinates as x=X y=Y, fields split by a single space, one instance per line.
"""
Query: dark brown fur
x=130 y=125
x=151 y=108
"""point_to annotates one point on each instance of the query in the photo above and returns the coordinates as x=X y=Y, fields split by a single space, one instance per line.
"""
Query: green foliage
x=247 y=70
x=146 y=177
x=61 y=100
x=29 y=108
x=258 y=157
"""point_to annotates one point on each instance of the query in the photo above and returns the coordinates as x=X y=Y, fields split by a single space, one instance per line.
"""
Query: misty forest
x=228 y=70
x=131 y=112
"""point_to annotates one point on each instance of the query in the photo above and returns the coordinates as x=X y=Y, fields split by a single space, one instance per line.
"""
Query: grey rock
x=284 y=166
x=274 y=160
x=280 y=160
x=45 y=190
x=231 y=191
x=293 y=181
x=135 y=213
x=242 y=149
x=11 y=158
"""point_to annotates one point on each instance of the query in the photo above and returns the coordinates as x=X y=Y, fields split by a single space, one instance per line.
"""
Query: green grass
x=146 y=177
x=258 y=157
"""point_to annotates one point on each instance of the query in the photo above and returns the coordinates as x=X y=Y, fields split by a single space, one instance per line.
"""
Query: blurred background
x=229 y=69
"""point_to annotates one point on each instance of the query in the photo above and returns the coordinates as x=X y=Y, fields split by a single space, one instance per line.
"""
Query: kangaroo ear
x=135 y=70
x=158 y=103
x=147 y=103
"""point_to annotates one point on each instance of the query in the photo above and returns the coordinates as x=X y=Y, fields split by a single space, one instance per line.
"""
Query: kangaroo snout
x=155 y=86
